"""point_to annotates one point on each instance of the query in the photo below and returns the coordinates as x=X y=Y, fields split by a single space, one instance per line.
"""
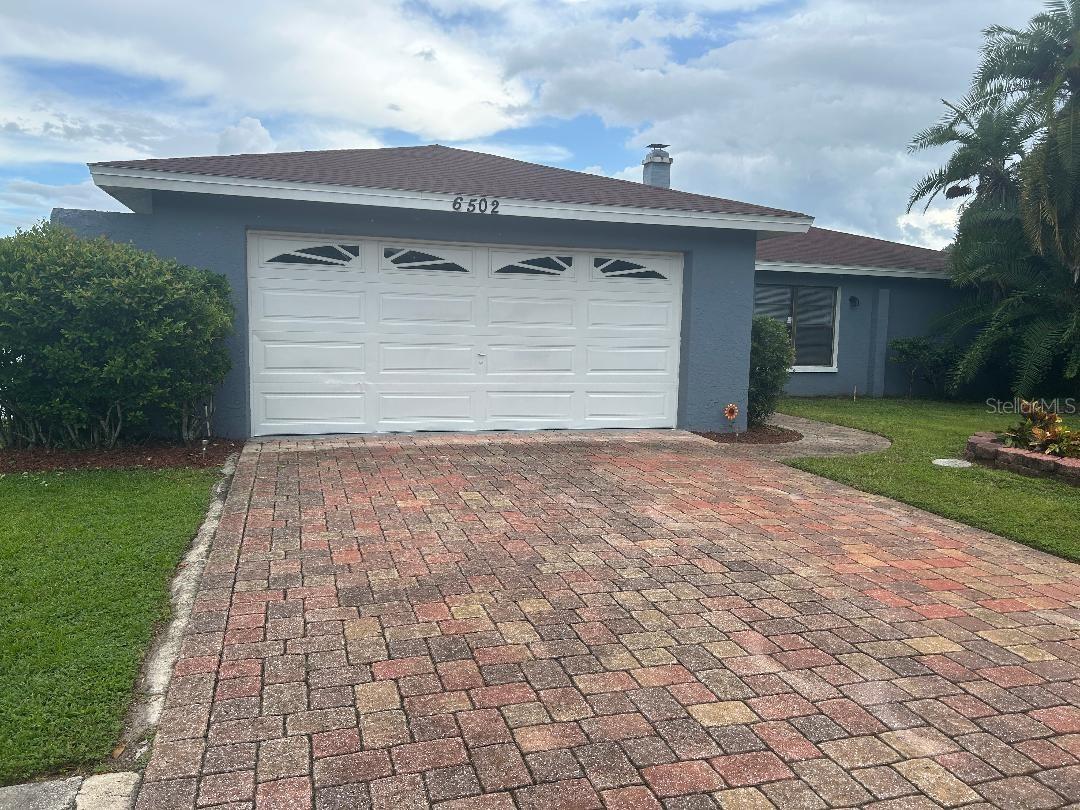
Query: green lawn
x=85 y=564
x=1039 y=513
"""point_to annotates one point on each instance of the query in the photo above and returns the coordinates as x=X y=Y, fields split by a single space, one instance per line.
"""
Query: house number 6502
x=476 y=205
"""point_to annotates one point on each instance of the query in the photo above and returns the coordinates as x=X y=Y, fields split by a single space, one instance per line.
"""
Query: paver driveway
x=576 y=620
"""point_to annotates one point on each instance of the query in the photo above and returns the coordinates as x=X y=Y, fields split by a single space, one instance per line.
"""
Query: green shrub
x=771 y=358
x=99 y=341
x=925 y=360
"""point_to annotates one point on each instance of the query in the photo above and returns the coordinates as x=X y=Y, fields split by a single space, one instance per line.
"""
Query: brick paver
x=620 y=619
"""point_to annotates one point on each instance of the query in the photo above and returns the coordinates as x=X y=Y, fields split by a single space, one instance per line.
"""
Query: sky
x=805 y=105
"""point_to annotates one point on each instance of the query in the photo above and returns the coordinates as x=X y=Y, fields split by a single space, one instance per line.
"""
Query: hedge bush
x=771 y=358
x=925 y=360
x=100 y=341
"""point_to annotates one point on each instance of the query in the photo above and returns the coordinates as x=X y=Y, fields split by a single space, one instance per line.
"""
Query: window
x=406 y=259
x=810 y=316
x=541 y=266
x=334 y=255
x=621 y=268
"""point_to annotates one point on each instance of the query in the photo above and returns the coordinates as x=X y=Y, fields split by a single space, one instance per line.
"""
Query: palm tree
x=1039 y=64
x=989 y=145
x=1022 y=307
x=1017 y=250
x=1015 y=302
x=1036 y=71
x=1050 y=190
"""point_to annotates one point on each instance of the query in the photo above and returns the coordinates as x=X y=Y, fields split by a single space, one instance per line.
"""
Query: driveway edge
x=819 y=440
x=156 y=672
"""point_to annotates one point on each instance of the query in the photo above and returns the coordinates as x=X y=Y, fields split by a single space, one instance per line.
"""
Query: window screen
x=774 y=301
x=810 y=315
x=814 y=325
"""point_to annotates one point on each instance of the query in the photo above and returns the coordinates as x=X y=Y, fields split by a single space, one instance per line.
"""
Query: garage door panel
x=530 y=360
x=301 y=277
x=522 y=312
x=443 y=337
x=624 y=315
x=635 y=360
x=626 y=404
x=312 y=356
x=530 y=405
x=427 y=358
x=306 y=408
x=416 y=308
x=403 y=408
x=287 y=306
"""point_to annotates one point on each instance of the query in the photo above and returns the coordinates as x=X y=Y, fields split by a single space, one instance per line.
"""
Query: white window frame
x=834 y=367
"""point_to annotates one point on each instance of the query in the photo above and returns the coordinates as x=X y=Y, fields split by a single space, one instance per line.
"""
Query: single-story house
x=845 y=298
x=431 y=288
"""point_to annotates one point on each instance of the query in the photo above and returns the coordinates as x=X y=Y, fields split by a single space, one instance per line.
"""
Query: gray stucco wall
x=888 y=308
x=209 y=231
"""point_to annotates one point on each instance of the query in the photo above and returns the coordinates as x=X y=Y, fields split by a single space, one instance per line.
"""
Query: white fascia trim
x=844 y=270
x=105 y=177
x=812 y=369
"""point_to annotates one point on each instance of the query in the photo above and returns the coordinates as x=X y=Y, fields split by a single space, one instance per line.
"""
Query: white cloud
x=47 y=126
x=934 y=228
x=532 y=152
x=246 y=136
x=809 y=110
x=378 y=64
x=23 y=202
x=324 y=135
x=807 y=107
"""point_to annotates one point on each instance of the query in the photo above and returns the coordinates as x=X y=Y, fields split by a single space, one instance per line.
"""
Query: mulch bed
x=765 y=434
x=150 y=456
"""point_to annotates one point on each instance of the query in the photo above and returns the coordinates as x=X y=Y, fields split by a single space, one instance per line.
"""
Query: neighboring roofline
x=848 y=270
x=108 y=177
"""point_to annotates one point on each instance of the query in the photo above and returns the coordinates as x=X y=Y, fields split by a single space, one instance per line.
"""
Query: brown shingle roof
x=821 y=246
x=447 y=170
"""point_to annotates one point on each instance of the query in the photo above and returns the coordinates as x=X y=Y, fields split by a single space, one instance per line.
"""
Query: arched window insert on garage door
x=409 y=259
x=540 y=266
x=621 y=268
x=326 y=255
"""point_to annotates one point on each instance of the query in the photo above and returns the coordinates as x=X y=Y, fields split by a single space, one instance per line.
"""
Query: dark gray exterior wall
x=210 y=231
x=888 y=308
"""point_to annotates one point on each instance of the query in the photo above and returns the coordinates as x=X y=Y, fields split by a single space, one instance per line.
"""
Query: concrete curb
x=106 y=791
x=157 y=668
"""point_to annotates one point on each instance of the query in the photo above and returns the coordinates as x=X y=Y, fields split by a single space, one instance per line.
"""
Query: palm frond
x=929 y=187
x=976 y=355
x=1039 y=343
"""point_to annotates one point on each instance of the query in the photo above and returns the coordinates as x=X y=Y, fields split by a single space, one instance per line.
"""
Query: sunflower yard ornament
x=731 y=413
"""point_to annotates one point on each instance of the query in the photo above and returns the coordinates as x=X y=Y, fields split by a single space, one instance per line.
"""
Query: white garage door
x=371 y=335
